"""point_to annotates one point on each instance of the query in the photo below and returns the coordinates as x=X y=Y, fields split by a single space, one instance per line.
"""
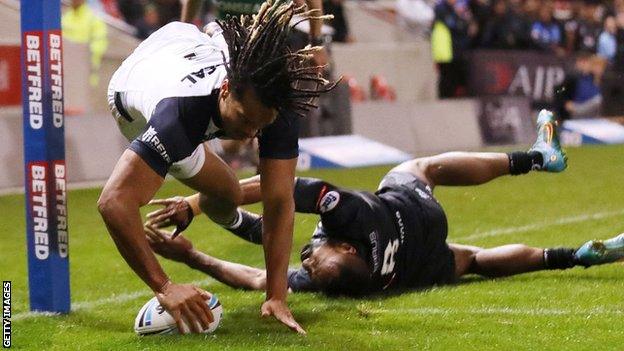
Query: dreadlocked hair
x=260 y=58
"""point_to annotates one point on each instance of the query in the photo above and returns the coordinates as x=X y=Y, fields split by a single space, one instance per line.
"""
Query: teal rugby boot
x=547 y=144
x=595 y=252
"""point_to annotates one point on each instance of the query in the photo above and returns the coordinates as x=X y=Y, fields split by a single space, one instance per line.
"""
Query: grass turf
x=576 y=309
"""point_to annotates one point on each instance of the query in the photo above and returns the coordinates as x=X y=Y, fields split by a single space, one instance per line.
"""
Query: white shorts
x=183 y=169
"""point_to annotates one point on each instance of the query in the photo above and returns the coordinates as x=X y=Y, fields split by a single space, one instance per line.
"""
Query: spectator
x=149 y=23
x=545 y=33
x=131 y=10
x=520 y=23
x=607 y=44
x=168 y=10
x=339 y=22
x=504 y=30
x=81 y=25
x=450 y=39
x=589 y=28
x=583 y=98
x=477 y=13
x=618 y=60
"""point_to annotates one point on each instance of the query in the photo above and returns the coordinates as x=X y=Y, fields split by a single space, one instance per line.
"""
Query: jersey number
x=388 y=262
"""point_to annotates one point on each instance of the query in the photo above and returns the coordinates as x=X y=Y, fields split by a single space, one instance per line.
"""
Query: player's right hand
x=176 y=211
x=186 y=302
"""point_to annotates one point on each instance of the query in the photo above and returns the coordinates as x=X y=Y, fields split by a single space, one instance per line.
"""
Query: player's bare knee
x=465 y=258
x=218 y=204
x=418 y=167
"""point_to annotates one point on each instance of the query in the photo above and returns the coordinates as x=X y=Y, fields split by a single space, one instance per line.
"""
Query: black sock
x=248 y=226
x=521 y=162
x=559 y=258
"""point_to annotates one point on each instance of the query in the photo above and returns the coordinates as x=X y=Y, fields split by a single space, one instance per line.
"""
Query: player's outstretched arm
x=181 y=249
x=119 y=206
x=180 y=211
x=277 y=178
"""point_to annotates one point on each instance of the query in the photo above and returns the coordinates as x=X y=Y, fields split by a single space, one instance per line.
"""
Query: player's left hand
x=177 y=211
x=163 y=244
x=279 y=310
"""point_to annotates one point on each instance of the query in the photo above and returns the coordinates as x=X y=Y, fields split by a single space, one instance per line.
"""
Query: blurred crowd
x=557 y=26
x=149 y=15
x=591 y=31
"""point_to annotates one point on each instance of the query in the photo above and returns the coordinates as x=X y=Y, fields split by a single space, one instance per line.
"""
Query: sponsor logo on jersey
x=374 y=249
x=329 y=201
x=401 y=226
x=423 y=194
x=150 y=137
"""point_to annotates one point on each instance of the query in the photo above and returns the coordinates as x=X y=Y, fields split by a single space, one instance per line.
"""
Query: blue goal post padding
x=44 y=156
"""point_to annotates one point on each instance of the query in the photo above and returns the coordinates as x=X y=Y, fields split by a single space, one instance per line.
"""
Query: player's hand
x=186 y=302
x=161 y=241
x=177 y=211
x=279 y=310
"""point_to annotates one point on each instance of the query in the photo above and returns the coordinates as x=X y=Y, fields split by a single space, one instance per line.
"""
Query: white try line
x=497 y=311
x=111 y=300
x=536 y=226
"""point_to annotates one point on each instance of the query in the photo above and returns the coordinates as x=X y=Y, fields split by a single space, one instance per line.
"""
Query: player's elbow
x=109 y=204
x=105 y=204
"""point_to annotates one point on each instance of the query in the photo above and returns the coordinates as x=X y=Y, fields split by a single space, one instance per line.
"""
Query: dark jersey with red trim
x=390 y=229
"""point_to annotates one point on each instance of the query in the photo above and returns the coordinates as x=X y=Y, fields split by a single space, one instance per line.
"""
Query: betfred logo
x=60 y=193
x=37 y=182
x=33 y=52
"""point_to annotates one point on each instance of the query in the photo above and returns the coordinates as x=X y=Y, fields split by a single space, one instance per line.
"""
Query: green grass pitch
x=577 y=309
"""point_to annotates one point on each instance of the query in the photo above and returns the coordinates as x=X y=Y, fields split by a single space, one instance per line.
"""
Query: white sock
x=236 y=222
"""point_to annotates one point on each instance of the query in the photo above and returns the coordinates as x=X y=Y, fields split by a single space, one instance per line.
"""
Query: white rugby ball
x=153 y=319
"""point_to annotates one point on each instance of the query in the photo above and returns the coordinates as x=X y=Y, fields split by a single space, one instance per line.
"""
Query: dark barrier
x=518 y=73
x=506 y=120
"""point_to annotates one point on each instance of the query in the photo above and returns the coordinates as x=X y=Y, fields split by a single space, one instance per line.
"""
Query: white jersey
x=178 y=60
x=165 y=99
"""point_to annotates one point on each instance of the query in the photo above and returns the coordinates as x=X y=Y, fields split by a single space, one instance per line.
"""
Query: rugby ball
x=153 y=319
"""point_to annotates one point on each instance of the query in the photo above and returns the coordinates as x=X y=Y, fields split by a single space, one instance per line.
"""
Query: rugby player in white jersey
x=182 y=87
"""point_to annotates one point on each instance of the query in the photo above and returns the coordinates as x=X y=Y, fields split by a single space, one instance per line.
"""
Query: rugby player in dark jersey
x=394 y=239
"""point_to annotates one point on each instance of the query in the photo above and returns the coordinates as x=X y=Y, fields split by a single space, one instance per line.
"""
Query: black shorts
x=437 y=262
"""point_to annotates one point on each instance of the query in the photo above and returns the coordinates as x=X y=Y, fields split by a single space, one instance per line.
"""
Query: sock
x=559 y=258
x=521 y=162
x=247 y=226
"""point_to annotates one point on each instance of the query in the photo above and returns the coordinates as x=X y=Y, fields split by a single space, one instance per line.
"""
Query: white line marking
x=536 y=226
x=498 y=310
x=87 y=305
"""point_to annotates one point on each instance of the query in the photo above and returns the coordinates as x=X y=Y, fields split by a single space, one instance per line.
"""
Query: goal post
x=44 y=156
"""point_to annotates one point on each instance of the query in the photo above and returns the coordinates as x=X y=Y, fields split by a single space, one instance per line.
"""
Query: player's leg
x=220 y=192
x=457 y=168
x=470 y=168
x=205 y=172
x=517 y=258
x=498 y=261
